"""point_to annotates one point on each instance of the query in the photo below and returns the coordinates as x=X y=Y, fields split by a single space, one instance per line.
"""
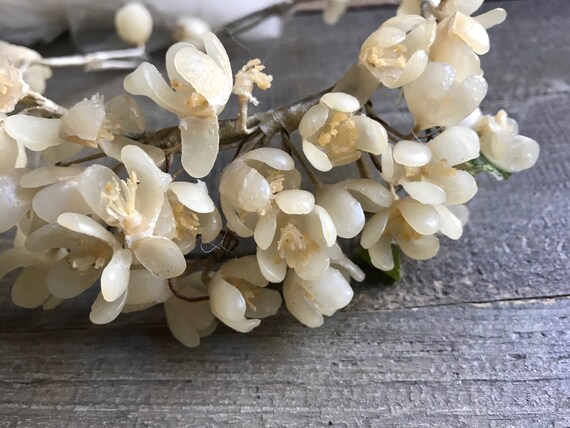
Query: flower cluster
x=143 y=234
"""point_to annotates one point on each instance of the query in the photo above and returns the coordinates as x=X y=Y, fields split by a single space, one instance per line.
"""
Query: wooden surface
x=478 y=336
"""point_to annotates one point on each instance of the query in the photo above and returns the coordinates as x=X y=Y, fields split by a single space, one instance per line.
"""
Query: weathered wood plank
x=498 y=365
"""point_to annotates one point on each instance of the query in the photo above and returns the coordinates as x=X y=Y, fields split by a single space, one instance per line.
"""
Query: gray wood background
x=477 y=337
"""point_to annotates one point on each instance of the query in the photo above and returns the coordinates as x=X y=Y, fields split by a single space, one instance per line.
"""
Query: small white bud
x=133 y=23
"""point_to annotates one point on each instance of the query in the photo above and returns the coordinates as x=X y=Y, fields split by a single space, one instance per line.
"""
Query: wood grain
x=477 y=336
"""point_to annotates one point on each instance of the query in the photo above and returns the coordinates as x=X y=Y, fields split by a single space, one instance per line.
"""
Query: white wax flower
x=35 y=75
x=502 y=144
x=438 y=98
x=133 y=23
x=251 y=75
x=249 y=184
x=200 y=86
x=191 y=29
x=188 y=212
x=90 y=123
x=397 y=53
x=426 y=171
x=333 y=135
x=348 y=201
x=333 y=11
x=190 y=321
x=295 y=234
x=134 y=206
x=238 y=296
x=411 y=224
x=309 y=300
x=12 y=85
x=29 y=289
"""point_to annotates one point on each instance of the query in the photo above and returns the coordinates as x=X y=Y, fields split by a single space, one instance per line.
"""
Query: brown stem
x=363 y=168
x=376 y=162
x=88 y=158
x=182 y=296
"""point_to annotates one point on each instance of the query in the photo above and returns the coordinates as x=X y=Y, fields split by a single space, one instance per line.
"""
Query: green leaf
x=482 y=164
x=379 y=275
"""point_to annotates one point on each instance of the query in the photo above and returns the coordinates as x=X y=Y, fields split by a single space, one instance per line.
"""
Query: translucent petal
x=146 y=80
x=413 y=69
x=229 y=306
x=9 y=148
x=272 y=267
x=200 y=144
x=450 y=225
x=159 y=255
x=244 y=268
x=265 y=228
x=423 y=248
x=424 y=219
x=133 y=23
x=83 y=121
x=345 y=211
x=459 y=188
x=372 y=137
x=46 y=175
x=275 y=158
x=456 y=145
x=145 y=288
x=266 y=301
x=86 y=225
x=215 y=49
x=471 y=32
x=374 y=229
x=181 y=328
x=210 y=225
x=411 y=153
x=381 y=254
x=124 y=112
x=103 y=312
x=384 y=37
x=295 y=201
x=193 y=196
x=316 y=157
x=320 y=223
x=36 y=133
x=330 y=291
x=115 y=276
x=340 y=101
x=491 y=18
x=51 y=201
x=317 y=263
x=371 y=194
x=91 y=183
x=313 y=120
x=425 y=192
x=298 y=304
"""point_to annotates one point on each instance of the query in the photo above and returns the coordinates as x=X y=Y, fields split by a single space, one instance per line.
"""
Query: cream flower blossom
x=89 y=123
x=25 y=60
x=93 y=253
x=15 y=201
x=247 y=77
x=190 y=321
x=29 y=289
x=333 y=135
x=238 y=296
x=502 y=144
x=397 y=53
x=348 y=201
x=12 y=85
x=134 y=206
x=333 y=10
x=438 y=98
x=188 y=212
x=295 y=234
x=250 y=183
x=411 y=224
x=133 y=23
x=200 y=86
x=309 y=300
x=426 y=171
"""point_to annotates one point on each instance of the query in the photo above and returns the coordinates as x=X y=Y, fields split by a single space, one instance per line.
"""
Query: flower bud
x=133 y=23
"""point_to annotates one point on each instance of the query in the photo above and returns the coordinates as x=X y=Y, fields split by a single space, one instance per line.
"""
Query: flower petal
x=51 y=201
x=411 y=153
x=340 y=101
x=272 y=267
x=200 y=144
x=344 y=210
x=424 y=219
x=193 y=196
x=450 y=225
x=46 y=175
x=15 y=201
x=372 y=136
x=425 y=192
x=295 y=201
x=313 y=120
x=86 y=225
x=65 y=282
x=29 y=289
x=36 y=133
x=456 y=145
x=316 y=157
x=103 y=312
x=297 y=302
x=229 y=306
x=265 y=228
x=374 y=229
x=159 y=255
x=423 y=248
x=381 y=254
x=115 y=276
